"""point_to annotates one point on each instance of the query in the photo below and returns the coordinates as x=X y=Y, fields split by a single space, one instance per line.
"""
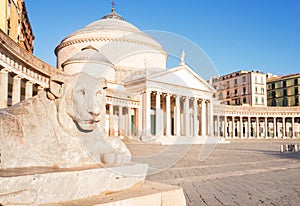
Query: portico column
x=196 y=126
x=257 y=127
x=157 y=115
x=241 y=127
x=246 y=128
x=178 y=115
x=168 y=114
x=3 y=88
x=266 y=127
x=293 y=127
x=129 y=121
x=16 y=90
x=249 y=127
x=203 y=118
x=274 y=127
x=28 y=89
x=121 y=127
x=211 y=118
x=187 y=118
x=111 y=120
x=225 y=126
x=40 y=89
x=147 y=114
x=140 y=117
x=233 y=127
x=283 y=125
x=218 y=126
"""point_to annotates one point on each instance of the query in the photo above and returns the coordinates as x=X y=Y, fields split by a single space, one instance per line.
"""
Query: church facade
x=145 y=99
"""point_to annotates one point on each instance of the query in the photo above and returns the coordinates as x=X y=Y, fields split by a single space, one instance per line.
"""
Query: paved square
x=244 y=172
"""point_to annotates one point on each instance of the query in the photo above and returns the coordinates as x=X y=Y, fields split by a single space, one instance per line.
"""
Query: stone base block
x=149 y=194
x=35 y=186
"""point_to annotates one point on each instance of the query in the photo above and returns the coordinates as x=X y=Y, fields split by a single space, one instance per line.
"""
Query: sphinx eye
x=82 y=91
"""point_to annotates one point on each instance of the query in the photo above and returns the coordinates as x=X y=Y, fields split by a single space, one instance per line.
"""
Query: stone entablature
x=256 y=111
x=22 y=57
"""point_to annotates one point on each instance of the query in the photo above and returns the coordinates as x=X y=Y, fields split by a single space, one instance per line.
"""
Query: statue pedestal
x=35 y=186
x=150 y=193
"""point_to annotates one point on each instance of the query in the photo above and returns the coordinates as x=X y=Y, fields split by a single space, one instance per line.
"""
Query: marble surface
x=50 y=185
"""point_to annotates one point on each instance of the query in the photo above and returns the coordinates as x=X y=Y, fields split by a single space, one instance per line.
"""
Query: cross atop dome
x=113 y=7
x=113 y=15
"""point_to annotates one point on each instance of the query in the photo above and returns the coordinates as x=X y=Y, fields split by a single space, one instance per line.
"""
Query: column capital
x=17 y=77
x=4 y=70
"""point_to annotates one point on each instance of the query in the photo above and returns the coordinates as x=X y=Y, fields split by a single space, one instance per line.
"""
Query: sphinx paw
x=115 y=158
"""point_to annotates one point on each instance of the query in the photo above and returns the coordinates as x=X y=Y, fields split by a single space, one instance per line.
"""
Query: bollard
x=281 y=148
x=286 y=148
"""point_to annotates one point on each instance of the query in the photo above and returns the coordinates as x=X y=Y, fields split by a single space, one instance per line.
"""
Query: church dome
x=120 y=42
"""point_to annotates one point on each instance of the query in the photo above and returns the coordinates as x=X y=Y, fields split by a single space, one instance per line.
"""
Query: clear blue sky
x=236 y=34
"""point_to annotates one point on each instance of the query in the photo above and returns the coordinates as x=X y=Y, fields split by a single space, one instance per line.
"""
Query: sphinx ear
x=103 y=82
x=56 y=85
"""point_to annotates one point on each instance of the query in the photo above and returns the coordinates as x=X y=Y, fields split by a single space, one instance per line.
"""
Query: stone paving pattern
x=244 y=172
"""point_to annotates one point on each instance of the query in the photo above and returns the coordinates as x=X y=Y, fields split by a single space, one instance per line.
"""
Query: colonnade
x=14 y=88
x=22 y=75
x=253 y=122
x=167 y=114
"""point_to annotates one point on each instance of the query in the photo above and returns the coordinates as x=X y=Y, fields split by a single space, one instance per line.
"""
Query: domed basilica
x=145 y=99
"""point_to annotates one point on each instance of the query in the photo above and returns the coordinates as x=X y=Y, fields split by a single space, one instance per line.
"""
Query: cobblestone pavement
x=244 y=172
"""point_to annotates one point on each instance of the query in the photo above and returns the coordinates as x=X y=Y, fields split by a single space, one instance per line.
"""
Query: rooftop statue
x=61 y=127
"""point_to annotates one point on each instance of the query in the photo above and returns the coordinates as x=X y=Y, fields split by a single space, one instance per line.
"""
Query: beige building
x=241 y=88
x=284 y=90
x=15 y=23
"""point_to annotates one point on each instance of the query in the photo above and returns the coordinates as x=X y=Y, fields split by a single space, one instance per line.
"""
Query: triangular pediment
x=181 y=76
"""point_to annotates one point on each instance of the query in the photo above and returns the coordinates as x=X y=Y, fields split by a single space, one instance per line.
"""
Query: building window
x=296 y=101
x=228 y=94
x=296 y=90
x=256 y=90
x=244 y=79
x=273 y=85
x=262 y=80
x=244 y=100
x=237 y=102
x=285 y=102
x=256 y=100
x=235 y=91
x=244 y=90
x=273 y=94
x=295 y=81
x=235 y=82
x=284 y=92
x=221 y=95
x=273 y=102
x=262 y=100
x=284 y=84
x=228 y=102
x=227 y=84
x=262 y=90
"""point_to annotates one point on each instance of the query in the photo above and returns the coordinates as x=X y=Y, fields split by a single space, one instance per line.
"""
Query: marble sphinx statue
x=60 y=127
